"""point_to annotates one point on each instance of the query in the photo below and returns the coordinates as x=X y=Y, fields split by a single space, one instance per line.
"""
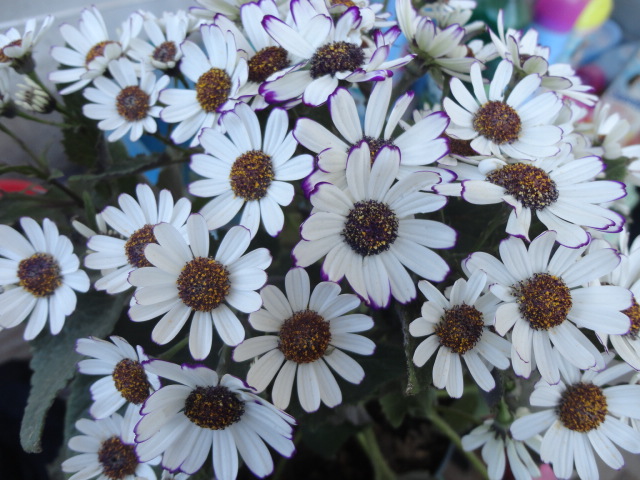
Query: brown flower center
x=212 y=89
x=118 y=459
x=96 y=51
x=39 y=274
x=165 y=52
x=530 y=185
x=544 y=301
x=134 y=248
x=215 y=408
x=371 y=228
x=304 y=337
x=266 y=62
x=203 y=284
x=336 y=57
x=460 y=328
x=3 y=56
x=131 y=381
x=460 y=147
x=375 y=145
x=498 y=122
x=132 y=103
x=583 y=407
x=633 y=312
x=251 y=175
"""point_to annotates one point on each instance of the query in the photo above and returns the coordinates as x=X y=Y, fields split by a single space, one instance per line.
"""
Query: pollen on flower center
x=375 y=144
x=134 y=248
x=165 y=52
x=346 y=3
x=118 y=459
x=371 y=228
x=96 y=51
x=460 y=328
x=544 y=300
x=212 y=89
x=39 y=274
x=251 y=175
x=498 y=122
x=3 y=56
x=336 y=57
x=132 y=103
x=131 y=381
x=267 y=61
x=304 y=337
x=530 y=185
x=203 y=284
x=460 y=147
x=215 y=408
x=633 y=312
x=582 y=407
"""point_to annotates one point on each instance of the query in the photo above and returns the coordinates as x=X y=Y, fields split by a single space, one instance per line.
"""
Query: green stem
x=367 y=440
x=452 y=435
x=26 y=116
x=169 y=354
x=169 y=143
x=59 y=108
x=282 y=463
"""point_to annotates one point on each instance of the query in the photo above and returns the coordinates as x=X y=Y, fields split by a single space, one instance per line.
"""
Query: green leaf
x=22 y=169
x=397 y=406
x=54 y=359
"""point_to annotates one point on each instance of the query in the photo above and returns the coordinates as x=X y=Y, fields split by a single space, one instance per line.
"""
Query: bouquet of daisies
x=293 y=231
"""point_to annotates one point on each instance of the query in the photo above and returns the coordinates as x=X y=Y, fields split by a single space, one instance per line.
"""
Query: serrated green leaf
x=397 y=406
x=54 y=359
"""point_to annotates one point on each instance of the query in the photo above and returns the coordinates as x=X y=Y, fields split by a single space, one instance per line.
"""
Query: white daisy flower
x=39 y=275
x=245 y=171
x=264 y=56
x=312 y=331
x=201 y=414
x=419 y=145
x=6 y=104
x=31 y=97
x=134 y=222
x=326 y=53
x=16 y=48
x=439 y=50
x=458 y=329
x=582 y=416
x=545 y=301
x=608 y=131
x=562 y=192
x=126 y=105
x=218 y=76
x=89 y=53
x=165 y=35
x=126 y=381
x=185 y=282
x=519 y=126
x=499 y=447
x=626 y=275
x=107 y=450
x=368 y=232
x=229 y=8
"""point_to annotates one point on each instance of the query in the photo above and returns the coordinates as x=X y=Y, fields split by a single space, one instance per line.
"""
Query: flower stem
x=26 y=116
x=367 y=440
x=169 y=354
x=452 y=435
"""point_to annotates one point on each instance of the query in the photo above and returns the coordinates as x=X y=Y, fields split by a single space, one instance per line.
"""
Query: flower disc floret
x=165 y=52
x=251 y=175
x=460 y=147
x=371 y=227
x=498 y=122
x=39 y=274
x=131 y=381
x=266 y=62
x=583 y=407
x=96 y=51
x=336 y=57
x=531 y=186
x=203 y=284
x=213 y=407
x=544 y=300
x=375 y=144
x=460 y=328
x=304 y=337
x=212 y=89
x=135 y=245
x=132 y=103
x=633 y=312
x=118 y=459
